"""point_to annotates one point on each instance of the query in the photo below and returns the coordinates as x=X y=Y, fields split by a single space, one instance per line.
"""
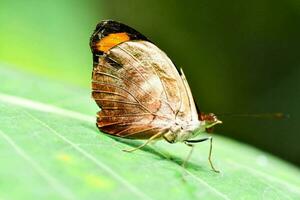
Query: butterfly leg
x=189 y=155
x=210 y=150
x=147 y=142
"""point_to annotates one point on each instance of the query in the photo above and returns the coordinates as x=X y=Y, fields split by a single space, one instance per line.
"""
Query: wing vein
x=124 y=89
x=135 y=59
x=117 y=101
x=134 y=132
x=127 y=115
x=140 y=63
x=109 y=92
x=163 y=86
x=131 y=82
x=117 y=86
x=120 y=124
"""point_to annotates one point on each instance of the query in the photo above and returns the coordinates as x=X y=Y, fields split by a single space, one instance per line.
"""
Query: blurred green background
x=239 y=56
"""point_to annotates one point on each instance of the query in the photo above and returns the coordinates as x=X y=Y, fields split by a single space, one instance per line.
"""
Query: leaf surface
x=51 y=149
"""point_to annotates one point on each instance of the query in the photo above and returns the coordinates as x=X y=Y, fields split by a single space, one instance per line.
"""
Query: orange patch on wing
x=111 y=40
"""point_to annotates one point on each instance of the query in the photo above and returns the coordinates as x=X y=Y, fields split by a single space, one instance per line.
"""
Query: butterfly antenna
x=277 y=115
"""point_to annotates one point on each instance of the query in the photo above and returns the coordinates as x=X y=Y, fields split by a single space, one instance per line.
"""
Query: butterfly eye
x=210 y=117
x=210 y=121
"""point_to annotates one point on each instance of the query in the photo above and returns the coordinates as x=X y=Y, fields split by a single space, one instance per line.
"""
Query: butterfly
x=142 y=95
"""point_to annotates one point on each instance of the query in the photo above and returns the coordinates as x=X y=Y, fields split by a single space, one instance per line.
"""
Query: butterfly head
x=210 y=120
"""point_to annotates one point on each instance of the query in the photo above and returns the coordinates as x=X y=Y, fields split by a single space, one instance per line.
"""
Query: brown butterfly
x=140 y=92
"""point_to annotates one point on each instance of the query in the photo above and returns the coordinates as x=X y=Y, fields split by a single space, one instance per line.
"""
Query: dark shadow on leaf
x=158 y=152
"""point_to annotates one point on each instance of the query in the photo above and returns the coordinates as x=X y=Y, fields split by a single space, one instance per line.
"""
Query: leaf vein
x=60 y=188
x=98 y=163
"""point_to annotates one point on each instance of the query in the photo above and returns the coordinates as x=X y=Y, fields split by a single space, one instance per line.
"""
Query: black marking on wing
x=112 y=62
x=107 y=27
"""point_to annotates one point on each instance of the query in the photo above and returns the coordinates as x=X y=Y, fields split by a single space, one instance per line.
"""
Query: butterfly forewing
x=138 y=88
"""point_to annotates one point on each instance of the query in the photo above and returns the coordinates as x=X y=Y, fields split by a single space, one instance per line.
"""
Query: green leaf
x=51 y=149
